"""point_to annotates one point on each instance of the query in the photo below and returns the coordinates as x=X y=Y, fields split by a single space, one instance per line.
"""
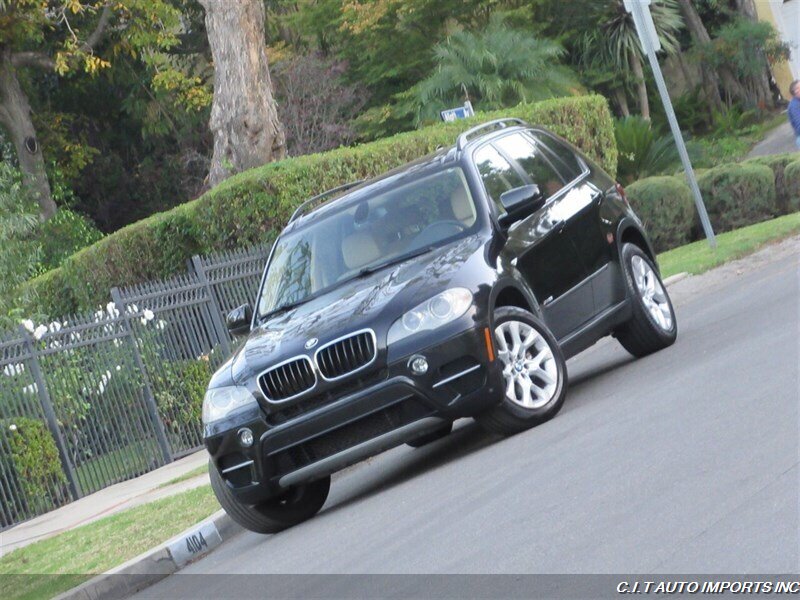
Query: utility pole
x=643 y=20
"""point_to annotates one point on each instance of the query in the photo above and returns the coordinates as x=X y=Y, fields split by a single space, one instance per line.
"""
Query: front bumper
x=311 y=438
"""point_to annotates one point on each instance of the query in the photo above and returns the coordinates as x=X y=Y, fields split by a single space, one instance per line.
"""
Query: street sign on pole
x=462 y=112
x=645 y=28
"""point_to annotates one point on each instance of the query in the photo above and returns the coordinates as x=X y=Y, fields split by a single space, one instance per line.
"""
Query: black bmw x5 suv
x=454 y=286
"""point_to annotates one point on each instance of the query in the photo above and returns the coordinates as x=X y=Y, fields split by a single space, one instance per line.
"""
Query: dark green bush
x=62 y=236
x=738 y=195
x=778 y=163
x=791 y=177
x=666 y=208
x=642 y=151
x=36 y=463
x=178 y=382
x=251 y=207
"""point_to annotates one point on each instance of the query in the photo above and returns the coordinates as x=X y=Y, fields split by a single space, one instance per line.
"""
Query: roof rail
x=497 y=123
x=301 y=209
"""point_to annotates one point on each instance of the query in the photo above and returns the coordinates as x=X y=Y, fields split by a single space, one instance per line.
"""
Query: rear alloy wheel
x=653 y=325
x=291 y=507
x=534 y=373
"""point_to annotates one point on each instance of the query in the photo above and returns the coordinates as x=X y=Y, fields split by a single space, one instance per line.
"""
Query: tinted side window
x=568 y=162
x=497 y=173
x=533 y=162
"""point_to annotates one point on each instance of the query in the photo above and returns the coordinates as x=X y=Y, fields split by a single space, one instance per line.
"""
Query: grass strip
x=201 y=470
x=698 y=257
x=51 y=566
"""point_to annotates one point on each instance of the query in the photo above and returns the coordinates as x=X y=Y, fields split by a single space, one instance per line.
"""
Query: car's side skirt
x=600 y=326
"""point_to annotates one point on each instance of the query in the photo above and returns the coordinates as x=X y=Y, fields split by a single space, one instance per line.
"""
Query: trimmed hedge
x=666 y=207
x=791 y=177
x=778 y=164
x=252 y=207
x=738 y=194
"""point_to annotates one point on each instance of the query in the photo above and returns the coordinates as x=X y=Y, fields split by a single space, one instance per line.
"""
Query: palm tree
x=617 y=33
x=494 y=68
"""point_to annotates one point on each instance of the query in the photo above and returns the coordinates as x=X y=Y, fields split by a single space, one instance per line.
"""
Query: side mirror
x=238 y=320
x=527 y=198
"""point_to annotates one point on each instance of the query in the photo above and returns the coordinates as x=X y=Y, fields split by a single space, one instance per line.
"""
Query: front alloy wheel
x=530 y=367
x=534 y=373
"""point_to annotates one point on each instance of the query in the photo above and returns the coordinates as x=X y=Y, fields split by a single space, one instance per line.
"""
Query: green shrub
x=63 y=235
x=180 y=388
x=778 y=163
x=251 y=207
x=666 y=208
x=36 y=463
x=642 y=151
x=738 y=195
x=791 y=178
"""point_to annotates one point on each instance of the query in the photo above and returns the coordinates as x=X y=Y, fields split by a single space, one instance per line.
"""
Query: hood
x=374 y=301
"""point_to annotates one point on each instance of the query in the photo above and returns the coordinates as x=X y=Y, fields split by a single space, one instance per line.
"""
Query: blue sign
x=462 y=112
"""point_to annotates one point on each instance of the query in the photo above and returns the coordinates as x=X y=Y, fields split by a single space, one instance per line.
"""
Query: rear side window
x=497 y=173
x=532 y=160
x=566 y=160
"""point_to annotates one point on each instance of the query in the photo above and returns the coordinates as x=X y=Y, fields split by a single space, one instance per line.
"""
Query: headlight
x=439 y=310
x=220 y=402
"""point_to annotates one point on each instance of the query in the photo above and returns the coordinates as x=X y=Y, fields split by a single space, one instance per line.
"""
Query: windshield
x=366 y=234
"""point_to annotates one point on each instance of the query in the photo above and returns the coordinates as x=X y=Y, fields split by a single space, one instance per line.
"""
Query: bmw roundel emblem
x=311 y=343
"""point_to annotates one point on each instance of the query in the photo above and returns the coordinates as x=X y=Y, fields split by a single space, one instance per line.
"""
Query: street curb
x=676 y=278
x=158 y=563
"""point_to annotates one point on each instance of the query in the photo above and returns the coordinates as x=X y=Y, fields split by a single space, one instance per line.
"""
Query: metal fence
x=92 y=399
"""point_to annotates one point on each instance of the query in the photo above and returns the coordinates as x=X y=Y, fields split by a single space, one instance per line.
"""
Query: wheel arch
x=513 y=293
x=629 y=232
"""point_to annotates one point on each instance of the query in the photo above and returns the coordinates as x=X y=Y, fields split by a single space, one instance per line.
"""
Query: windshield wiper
x=392 y=261
x=284 y=307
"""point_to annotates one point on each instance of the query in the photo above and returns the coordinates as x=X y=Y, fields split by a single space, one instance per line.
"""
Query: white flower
x=10 y=370
x=117 y=343
x=99 y=316
x=101 y=388
x=143 y=321
x=161 y=324
x=28 y=324
x=30 y=389
x=112 y=310
x=148 y=314
x=55 y=326
x=119 y=368
x=39 y=331
x=12 y=427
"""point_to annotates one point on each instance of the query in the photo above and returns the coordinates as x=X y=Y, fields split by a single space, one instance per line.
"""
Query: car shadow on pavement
x=464 y=440
x=406 y=463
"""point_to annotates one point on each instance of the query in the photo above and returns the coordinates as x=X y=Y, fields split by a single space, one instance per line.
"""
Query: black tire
x=427 y=438
x=509 y=417
x=642 y=334
x=276 y=514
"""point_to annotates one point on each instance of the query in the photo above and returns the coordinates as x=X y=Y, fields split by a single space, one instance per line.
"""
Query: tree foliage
x=496 y=67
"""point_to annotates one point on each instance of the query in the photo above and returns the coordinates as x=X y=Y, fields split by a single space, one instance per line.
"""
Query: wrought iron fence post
x=150 y=400
x=50 y=416
x=217 y=318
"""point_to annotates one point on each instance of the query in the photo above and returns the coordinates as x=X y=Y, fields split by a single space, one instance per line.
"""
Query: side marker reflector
x=489 y=345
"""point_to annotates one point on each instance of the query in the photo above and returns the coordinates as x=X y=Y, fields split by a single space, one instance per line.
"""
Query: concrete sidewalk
x=777 y=141
x=146 y=488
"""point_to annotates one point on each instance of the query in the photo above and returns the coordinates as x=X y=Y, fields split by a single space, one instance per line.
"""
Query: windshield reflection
x=372 y=232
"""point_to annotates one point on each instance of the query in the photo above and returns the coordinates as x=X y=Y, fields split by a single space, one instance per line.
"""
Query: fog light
x=246 y=437
x=418 y=365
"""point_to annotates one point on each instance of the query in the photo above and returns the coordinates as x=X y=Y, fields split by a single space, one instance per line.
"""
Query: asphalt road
x=682 y=462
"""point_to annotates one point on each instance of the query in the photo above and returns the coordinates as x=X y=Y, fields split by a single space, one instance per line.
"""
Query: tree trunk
x=700 y=37
x=622 y=102
x=15 y=116
x=641 y=86
x=244 y=117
